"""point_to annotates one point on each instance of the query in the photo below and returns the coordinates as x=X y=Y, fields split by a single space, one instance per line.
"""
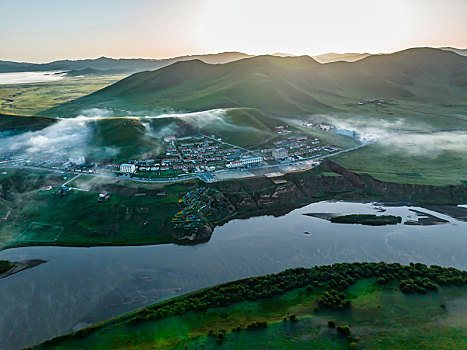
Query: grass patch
x=39 y=232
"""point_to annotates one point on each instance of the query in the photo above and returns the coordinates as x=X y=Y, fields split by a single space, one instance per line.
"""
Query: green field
x=39 y=232
x=380 y=315
x=32 y=98
x=410 y=161
x=77 y=218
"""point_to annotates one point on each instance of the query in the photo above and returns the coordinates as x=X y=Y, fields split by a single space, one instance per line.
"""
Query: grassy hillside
x=20 y=123
x=343 y=306
x=106 y=135
x=295 y=86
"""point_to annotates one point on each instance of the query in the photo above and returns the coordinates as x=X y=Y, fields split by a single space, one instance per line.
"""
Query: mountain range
x=106 y=65
x=287 y=86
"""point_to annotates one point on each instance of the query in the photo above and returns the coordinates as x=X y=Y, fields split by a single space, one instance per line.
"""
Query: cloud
x=369 y=127
x=76 y=135
x=58 y=138
x=427 y=145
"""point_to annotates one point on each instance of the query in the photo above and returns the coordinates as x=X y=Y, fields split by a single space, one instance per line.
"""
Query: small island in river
x=8 y=268
x=367 y=219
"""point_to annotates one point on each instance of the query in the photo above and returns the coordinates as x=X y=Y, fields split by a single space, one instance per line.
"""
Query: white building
x=169 y=138
x=127 y=168
x=77 y=160
x=245 y=162
x=280 y=153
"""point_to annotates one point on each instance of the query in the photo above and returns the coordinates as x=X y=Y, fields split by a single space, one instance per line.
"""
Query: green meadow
x=405 y=164
x=31 y=98
x=77 y=218
x=380 y=316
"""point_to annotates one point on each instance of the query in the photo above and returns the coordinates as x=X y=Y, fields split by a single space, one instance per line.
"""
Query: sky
x=47 y=30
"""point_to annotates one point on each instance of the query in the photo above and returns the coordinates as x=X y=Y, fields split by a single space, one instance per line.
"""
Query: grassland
x=32 y=98
x=380 y=316
x=413 y=163
x=76 y=218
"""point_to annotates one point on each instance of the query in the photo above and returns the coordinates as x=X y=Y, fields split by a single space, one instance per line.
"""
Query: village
x=208 y=158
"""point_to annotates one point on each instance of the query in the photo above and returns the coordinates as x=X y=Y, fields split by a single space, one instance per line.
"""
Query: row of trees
x=336 y=277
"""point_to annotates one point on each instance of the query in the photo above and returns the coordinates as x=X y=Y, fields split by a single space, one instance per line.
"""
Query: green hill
x=15 y=123
x=126 y=137
x=289 y=86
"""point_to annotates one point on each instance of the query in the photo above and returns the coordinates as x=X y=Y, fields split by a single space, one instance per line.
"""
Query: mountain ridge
x=284 y=85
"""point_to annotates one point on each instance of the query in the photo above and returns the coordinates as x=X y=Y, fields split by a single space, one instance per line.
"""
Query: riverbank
x=141 y=214
x=299 y=308
x=99 y=283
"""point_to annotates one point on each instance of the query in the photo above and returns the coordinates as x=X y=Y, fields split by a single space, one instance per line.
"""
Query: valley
x=141 y=183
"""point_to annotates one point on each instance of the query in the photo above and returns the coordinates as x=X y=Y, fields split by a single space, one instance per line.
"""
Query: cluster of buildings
x=196 y=154
x=282 y=130
x=331 y=128
x=293 y=148
x=245 y=162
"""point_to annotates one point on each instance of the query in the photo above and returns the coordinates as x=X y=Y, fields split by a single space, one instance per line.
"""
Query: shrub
x=331 y=324
x=343 y=330
x=333 y=300
x=257 y=325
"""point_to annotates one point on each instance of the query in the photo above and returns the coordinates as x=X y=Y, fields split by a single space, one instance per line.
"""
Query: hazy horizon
x=46 y=30
x=230 y=51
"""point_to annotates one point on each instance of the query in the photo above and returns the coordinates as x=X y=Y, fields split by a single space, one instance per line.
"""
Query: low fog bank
x=427 y=145
x=63 y=136
x=30 y=77
x=369 y=127
x=85 y=133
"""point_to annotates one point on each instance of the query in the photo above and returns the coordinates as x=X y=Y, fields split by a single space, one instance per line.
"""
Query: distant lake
x=30 y=77
x=87 y=285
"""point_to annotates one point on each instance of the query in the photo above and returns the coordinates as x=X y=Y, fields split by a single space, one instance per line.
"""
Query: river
x=79 y=286
x=30 y=77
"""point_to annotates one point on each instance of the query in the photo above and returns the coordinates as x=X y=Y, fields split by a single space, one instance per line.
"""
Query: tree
x=343 y=330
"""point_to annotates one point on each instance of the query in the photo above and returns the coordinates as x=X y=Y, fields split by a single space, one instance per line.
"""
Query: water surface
x=30 y=77
x=87 y=285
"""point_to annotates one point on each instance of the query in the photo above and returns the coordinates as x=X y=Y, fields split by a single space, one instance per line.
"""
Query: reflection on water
x=91 y=284
x=30 y=77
